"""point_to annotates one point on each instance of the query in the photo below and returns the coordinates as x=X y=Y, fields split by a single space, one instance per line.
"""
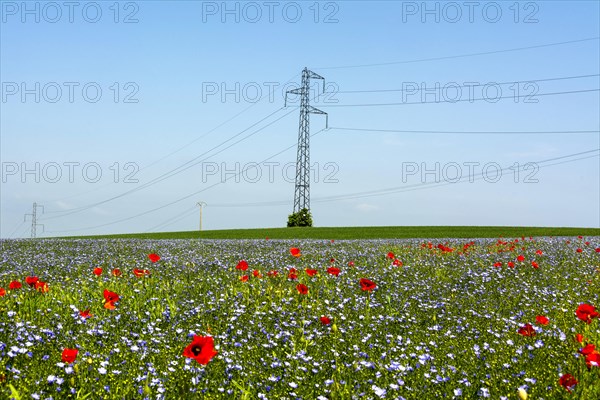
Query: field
x=301 y=319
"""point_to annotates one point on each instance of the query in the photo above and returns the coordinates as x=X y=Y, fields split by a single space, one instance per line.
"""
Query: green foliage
x=302 y=218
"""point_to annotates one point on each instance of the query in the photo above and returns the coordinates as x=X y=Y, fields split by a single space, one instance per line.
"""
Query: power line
x=465 y=132
x=461 y=100
x=474 y=85
x=461 y=55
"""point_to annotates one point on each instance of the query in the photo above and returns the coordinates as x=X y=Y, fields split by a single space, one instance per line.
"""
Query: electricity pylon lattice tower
x=302 y=189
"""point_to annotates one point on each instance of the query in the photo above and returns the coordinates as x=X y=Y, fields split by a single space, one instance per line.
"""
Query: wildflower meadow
x=504 y=318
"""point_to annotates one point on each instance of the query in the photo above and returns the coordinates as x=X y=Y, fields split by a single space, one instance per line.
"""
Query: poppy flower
x=140 y=272
x=302 y=288
x=542 y=320
x=98 y=271
x=526 y=330
x=579 y=250
x=367 y=285
x=244 y=278
x=116 y=272
x=535 y=265
x=242 y=265
x=41 y=287
x=587 y=350
x=579 y=337
x=31 y=280
x=256 y=273
x=332 y=260
x=294 y=251
x=497 y=264
x=154 y=257
x=520 y=258
x=333 y=271
x=2 y=292
x=293 y=276
x=201 y=349
x=15 y=285
x=325 y=320
x=539 y=252
x=273 y=273
x=568 y=381
x=69 y=355
x=586 y=312
x=597 y=249
x=397 y=263
x=110 y=296
x=310 y=272
x=85 y=314
x=592 y=360
x=391 y=255
x=511 y=264
x=351 y=263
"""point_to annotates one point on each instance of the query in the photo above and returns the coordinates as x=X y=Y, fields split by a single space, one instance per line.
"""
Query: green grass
x=366 y=232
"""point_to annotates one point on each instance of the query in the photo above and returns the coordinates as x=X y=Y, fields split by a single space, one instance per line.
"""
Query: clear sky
x=453 y=113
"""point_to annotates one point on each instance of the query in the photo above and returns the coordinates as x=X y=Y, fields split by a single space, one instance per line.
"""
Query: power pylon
x=34 y=223
x=302 y=189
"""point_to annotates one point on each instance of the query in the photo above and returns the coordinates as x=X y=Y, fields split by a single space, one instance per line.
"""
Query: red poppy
x=579 y=250
x=310 y=272
x=2 y=292
x=587 y=350
x=110 y=296
x=69 y=355
x=15 y=285
x=586 y=312
x=332 y=260
x=597 y=249
x=273 y=273
x=116 y=272
x=302 y=288
x=542 y=320
x=351 y=263
x=242 y=265
x=31 y=280
x=294 y=251
x=325 y=320
x=391 y=255
x=154 y=257
x=293 y=276
x=333 y=271
x=498 y=264
x=140 y=272
x=568 y=381
x=397 y=263
x=520 y=258
x=98 y=271
x=244 y=278
x=511 y=264
x=256 y=273
x=526 y=330
x=579 y=337
x=539 y=252
x=41 y=287
x=367 y=285
x=579 y=237
x=85 y=314
x=201 y=349
x=592 y=360
x=534 y=265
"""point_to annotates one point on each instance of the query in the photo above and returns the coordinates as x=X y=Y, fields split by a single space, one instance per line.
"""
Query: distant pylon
x=34 y=223
x=302 y=189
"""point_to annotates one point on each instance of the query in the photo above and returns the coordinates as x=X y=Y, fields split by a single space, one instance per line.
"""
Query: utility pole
x=201 y=204
x=34 y=223
x=302 y=188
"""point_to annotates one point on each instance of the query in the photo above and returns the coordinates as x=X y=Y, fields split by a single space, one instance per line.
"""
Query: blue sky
x=171 y=84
